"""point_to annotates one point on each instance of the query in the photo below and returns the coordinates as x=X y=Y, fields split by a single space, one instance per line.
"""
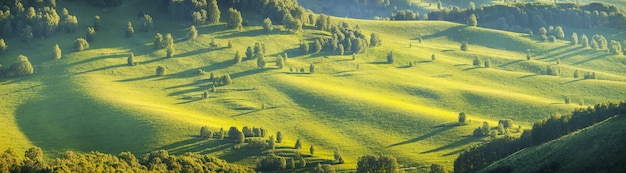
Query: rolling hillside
x=91 y=100
x=597 y=149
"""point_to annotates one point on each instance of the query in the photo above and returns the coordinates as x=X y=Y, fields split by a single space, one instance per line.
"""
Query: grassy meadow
x=92 y=100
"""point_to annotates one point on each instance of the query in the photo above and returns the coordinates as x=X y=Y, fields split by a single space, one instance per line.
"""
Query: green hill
x=91 y=100
x=593 y=149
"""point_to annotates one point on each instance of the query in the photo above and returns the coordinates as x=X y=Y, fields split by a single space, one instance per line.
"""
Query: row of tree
x=480 y=156
x=155 y=161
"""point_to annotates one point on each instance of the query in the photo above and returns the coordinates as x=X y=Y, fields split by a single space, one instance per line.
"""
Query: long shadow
x=137 y=78
x=527 y=76
x=572 y=81
x=246 y=113
x=471 y=68
x=196 y=89
x=193 y=72
x=197 y=82
x=248 y=33
x=591 y=59
x=425 y=136
x=378 y=62
x=88 y=60
x=456 y=144
x=152 y=60
x=510 y=63
x=101 y=68
x=248 y=72
x=444 y=33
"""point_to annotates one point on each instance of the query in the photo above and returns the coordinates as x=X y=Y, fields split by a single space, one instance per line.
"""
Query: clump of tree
x=271 y=162
x=381 y=163
x=482 y=130
x=169 y=52
x=234 y=19
x=311 y=69
x=205 y=132
x=80 y=44
x=56 y=52
x=405 y=15
x=553 y=70
x=375 y=40
x=21 y=67
x=437 y=168
x=574 y=40
x=615 y=47
x=280 y=62
x=471 y=20
x=337 y=157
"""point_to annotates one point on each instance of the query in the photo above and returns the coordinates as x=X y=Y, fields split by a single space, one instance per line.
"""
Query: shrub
x=552 y=38
x=237 y=57
x=432 y=57
x=559 y=32
x=160 y=70
x=261 y=62
x=280 y=62
x=567 y=100
x=488 y=63
x=205 y=132
x=337 y=157
x=574 y=40
x=80 y=44
x=437 y=168
x=56 y=52
x=169 y=40
x=375 y=40
x=317 y=46
x=301 y=163
x=382 y=163
x=267 y=25
x=158 y=41
x=271 y=143
x=279 y=137
x=298 y=144
x=477 y=62
x=584 y=40
x=576 y=74
x=340 y=49
x=213 y=12
x=22 y=67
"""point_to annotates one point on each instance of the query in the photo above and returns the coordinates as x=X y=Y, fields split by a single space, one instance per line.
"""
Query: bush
x=375 y=40
x=249 y=53
x=80 y=44
x=337 y=157
x=298 y=144
x=213 y=12
x=437 y=168
x=488 y=63
x=271 y=162
x=584 y=40
x=574 y=40
x=279 y=137
x=169 y=40
x=129 y=29
x=205 y=132
x=56 y=52
x=261 y=62
x=22 y=67
x=169 y=52
x=477 y=62
x=304 y=47
x=97 y=24
x=464 y=46
x=280 y=62
x=160 y=71
x=472 y=21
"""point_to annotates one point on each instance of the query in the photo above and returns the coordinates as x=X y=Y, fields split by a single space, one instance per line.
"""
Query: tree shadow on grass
x=465 y=140
x=425 y=136
x=471 y=68
x=527 y=76
x=88 y=60
x=575 y=80
x=378 y=62
x=510 y=63
x=591 y=59
x=248 y=33
x=137 y=78
x=101 y=68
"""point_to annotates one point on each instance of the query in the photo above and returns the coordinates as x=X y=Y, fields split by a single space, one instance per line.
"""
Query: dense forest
x=478 y=157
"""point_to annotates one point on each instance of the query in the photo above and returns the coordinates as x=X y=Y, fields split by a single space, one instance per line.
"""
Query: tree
x=91 y=34
x=472 y=21
x=56 y=52
x=559 y=32
x=27 y=33
x=337 y=156
x=271 y=143
x=295 y=25
x=340 y=49
x=279 y=137
x=485 y=128
x=249 y=53
x=615 y=47
x=462 y=118
x=576 y=74
x=542 y=31
x=552 y=38
x=213 y=12
x=312 y=69
x=240 y=137
x=301 y=163
x=390 y=58
x=464 y=46
x=267 y=25
x=488 y=63
x=80 y=44
x=234 y=19
x=272 y=162
x=158 y=41
x=169 y=52
x=131 y=59
x=584 y=40
x=129 y=29
x=298 y=144
x=147 y=23
x=477 y=62
x=382 y=163
x=432 y=57
x=205 y=132
x=169 y=40
x=237 y=57
x=227 y=80
x=304 y=47
x=574 y=40
x=160 y=71
x=375 y=40
x=317 y=46
x=437 y=168
x=3 y=46
x=70 y=23
x=280 y=62
x=260 y=62
x=193 y=33
x=97 y=24
x=205 y=95
x=311 y=150
x=22 y=67
x=199 y=17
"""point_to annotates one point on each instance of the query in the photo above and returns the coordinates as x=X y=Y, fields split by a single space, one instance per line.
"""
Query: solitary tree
x=158 y=41
x=131 y=59
x=337 y=156
x=227 y=80
x=234 y=19
x=56 y=52
x=80 y=44
x=464 y=46
x=280 y=62
x=472 y=21
x=169 y=52
x=477 y=62
x=488 y=63
x=485 y=128
x=160 y=71
x=312 y=69
x=375 y=40
x=260 y=62
x=147 y=23
x=23 y=67
x=91 y=34
x=432 y=57
x=267 y=25
x=559 y=33
x=584 y=40
x=279 y=137
x=576 y=74
x=574 y=41
x=237 y=57
x=3 y=46
x=205 y=132
x=193 y=33
x=97 y=24
x=169 y=40
x=129 y=29
x=390 y=58
x=298 y=144
x=462 y=118
x=311 y=150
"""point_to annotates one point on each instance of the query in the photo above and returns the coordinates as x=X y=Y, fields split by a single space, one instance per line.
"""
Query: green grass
x=91 y=100
x=602 y=154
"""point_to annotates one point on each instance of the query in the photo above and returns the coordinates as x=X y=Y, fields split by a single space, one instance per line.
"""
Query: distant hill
x=599 y=148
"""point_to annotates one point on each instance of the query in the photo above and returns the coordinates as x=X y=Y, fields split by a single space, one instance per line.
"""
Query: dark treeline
x=535 y=15
x=478 y=157
x=155 y=161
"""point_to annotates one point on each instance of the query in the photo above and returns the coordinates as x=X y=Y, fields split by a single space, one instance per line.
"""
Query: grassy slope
x=601 y=155
x=91 y=100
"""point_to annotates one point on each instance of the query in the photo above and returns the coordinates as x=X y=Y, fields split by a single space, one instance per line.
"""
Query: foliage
x=3 y=46
x=462 y=118
x=488 y=63
x=337 y=156
x=205 y=132
x=192 y=33
x=158 y=41
x=464 y=46
x=471 y=20
x=382 y=163
x=91 y=34
x=260 y=62
x=271 y=162
x=298 y=144
x=148 y=24
x=477 y=62
x=56 y=52
x=160 y=71
x=574 y=40
x=237 y=58
x=169 y=52
x=131 y=59
x=375 y=40
x=267 y=25
x=311 y=69
x=21 y=67
x=584 y=40
x=97 y=23
x=280 y=62
x=234 y=19
x=437 y=168
x=80 y=44
x=129 y=29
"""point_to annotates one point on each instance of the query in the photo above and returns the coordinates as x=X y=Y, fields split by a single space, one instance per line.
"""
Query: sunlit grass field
x=92 y=100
